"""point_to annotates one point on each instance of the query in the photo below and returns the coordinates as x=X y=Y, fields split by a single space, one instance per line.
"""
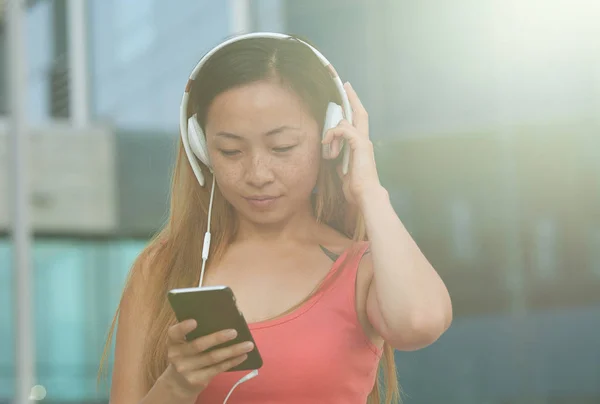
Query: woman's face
x=265 y=150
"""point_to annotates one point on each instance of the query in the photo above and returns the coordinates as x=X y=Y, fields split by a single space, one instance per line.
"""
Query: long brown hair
x=175 y=251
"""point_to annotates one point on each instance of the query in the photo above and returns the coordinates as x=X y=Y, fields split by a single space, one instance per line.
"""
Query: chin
x=266 y=213
x=265 y=217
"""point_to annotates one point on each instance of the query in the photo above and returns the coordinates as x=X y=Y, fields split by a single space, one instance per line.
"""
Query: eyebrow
x=271 y=132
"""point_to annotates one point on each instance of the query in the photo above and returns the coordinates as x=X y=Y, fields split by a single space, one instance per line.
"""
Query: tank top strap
x=352 y=258
x=342 y=283
x=341 y=295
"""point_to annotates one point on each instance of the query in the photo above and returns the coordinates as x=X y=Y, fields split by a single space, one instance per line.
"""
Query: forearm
x=408 y=292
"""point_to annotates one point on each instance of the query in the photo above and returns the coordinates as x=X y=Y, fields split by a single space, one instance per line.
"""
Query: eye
x=283 y=149
x=225 y=152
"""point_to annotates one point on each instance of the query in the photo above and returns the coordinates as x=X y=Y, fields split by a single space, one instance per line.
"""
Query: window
x=77 y=287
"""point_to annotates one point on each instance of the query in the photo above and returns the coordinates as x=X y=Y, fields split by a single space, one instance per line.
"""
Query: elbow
x=420 y=331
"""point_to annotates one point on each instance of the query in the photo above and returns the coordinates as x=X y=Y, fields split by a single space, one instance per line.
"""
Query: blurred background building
x=486 y=120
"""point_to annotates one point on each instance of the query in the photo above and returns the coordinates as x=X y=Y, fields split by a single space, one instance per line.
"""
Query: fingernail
x=231 y=333
x=248 y=346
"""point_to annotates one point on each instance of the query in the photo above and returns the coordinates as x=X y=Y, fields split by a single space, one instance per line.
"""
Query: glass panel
x=76 y=291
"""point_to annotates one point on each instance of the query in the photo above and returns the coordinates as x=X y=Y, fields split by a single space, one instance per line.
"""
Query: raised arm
x=407 y=303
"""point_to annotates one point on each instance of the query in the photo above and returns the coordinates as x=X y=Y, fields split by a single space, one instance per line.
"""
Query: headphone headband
x=183 y=109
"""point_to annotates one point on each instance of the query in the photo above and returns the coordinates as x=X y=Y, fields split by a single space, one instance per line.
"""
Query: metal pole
x=21 y=226
x=77 y=55
x=240 y=16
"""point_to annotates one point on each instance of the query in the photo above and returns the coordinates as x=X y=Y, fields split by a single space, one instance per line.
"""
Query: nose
x=259 y=171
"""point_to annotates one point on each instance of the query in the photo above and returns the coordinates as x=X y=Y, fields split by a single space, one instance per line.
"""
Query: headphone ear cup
x=197 y=141
x=333 y=117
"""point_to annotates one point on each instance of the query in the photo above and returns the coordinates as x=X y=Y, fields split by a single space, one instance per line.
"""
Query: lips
x=261 y=197
x=262 y=201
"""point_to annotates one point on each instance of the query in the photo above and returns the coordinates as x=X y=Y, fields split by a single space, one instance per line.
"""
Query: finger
x=360 y=119
x=342 y=131
x=202 y=377
x=177 y=332
x=202 y=344
x=214 y=370
x=335 y=145
x=208 y=359
x=333 y=151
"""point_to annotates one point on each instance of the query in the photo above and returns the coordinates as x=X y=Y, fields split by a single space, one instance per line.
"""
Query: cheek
x=303 y=168
x=228 y=174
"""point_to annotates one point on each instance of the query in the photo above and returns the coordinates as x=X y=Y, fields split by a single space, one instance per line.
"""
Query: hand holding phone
x=193 y=364
x=214 y=310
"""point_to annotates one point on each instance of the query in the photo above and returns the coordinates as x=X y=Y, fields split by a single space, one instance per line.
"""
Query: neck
x=299 y=226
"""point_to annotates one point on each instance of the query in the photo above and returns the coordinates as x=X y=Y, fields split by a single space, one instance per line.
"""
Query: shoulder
x=140 y=290
x=134 y=319
x=143 y=268
x=356 y=251
x=333 y=240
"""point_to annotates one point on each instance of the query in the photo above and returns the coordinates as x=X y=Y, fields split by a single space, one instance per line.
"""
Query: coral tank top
x=317 y=353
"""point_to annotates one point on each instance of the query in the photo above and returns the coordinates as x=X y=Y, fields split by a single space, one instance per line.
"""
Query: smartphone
x=214 y=309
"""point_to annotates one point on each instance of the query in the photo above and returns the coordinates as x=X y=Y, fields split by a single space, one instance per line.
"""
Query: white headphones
x=193 y=138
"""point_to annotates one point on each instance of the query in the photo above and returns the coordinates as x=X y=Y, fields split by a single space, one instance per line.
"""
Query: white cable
x=205 y=250
x=249 y=376
x=206 y=244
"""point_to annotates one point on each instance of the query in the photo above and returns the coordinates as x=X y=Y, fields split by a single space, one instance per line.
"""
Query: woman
x=326 y=308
